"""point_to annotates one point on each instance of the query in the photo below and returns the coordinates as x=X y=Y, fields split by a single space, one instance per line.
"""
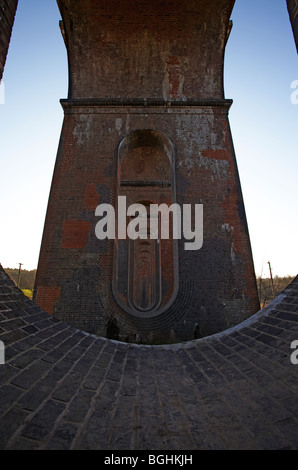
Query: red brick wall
x=47 y=296
x=150 y=67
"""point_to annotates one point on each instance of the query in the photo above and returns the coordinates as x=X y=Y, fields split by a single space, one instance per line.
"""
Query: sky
x=260 y=65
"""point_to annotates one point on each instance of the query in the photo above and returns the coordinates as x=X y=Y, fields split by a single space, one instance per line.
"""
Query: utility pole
x=271 y=277
x=19 y=274
x=260 y=288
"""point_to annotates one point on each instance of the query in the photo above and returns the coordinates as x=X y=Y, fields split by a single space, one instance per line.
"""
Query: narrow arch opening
x=145 y=269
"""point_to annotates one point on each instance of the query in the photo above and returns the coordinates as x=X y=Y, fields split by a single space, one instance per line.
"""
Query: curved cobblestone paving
x=61 y=388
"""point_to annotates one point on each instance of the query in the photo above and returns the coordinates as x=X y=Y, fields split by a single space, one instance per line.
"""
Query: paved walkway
x=61 y=388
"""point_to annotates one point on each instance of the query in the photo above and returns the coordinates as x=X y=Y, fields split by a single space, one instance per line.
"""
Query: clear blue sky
x=261 y=63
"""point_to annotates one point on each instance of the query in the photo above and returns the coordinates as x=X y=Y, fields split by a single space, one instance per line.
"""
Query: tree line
x=27 y=278
x=268 y=288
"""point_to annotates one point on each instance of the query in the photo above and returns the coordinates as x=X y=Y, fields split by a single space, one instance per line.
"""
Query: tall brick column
x=293 y=12
x=146 y=118
x=7 y=15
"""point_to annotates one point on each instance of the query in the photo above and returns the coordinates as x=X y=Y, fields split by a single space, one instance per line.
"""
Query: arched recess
x=145 y=271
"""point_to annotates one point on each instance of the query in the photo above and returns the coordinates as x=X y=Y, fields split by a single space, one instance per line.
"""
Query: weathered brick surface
x=146 y=117
x=62 y=388
x=141 y=49
x=293 y=13
x=7 y=14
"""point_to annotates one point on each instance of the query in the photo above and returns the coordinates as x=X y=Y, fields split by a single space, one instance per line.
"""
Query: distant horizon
x=257 y=276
